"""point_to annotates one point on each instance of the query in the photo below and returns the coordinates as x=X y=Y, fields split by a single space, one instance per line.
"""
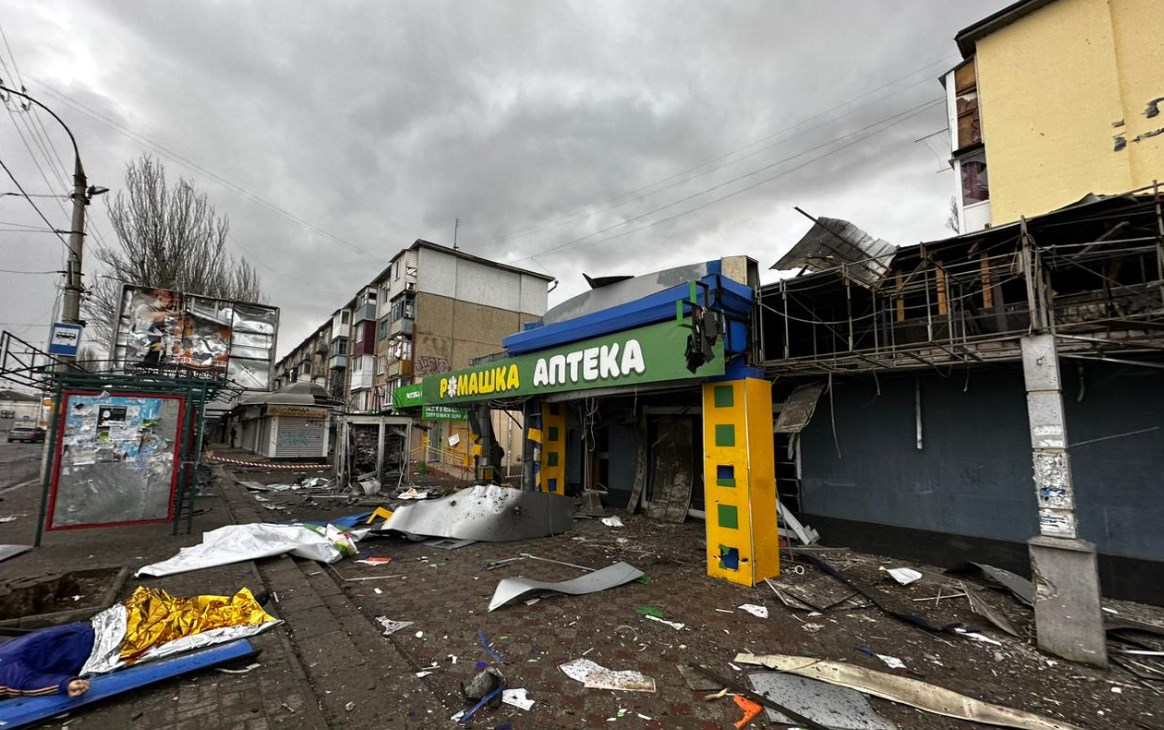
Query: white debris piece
x=517 y=698
x=891 y=661
x=390 y=626
x=612 y=522
x=673 y=624
x=904 y=576
x=596 y=676
x=757 y=611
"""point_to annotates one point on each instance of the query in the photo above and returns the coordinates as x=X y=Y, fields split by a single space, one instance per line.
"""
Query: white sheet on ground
x=235 y=543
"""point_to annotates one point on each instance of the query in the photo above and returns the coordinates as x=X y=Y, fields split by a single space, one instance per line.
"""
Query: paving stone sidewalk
x=277 y=694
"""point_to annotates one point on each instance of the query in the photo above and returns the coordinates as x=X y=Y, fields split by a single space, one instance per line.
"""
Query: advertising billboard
x=165 y=332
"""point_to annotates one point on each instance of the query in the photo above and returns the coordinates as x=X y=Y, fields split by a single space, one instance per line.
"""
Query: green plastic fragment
x=649 y=611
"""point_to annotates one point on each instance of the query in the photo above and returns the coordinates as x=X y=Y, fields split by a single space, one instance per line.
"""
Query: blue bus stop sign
x=64 y=339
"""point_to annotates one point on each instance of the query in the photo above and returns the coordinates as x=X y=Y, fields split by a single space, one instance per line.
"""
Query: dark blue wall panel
x=973 y=474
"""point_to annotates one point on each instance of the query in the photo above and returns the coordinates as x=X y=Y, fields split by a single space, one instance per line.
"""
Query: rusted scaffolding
x=1092 y=274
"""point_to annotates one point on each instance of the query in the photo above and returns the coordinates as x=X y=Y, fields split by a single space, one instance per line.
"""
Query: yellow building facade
x=1062 y=98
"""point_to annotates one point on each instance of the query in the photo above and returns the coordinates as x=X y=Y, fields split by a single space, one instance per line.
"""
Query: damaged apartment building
x=431 y=309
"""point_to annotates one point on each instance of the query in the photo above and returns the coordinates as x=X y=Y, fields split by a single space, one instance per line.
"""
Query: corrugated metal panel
x=301 y=437
x=832 y=242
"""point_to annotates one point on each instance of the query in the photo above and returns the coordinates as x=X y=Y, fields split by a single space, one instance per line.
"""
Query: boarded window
x=966 y=99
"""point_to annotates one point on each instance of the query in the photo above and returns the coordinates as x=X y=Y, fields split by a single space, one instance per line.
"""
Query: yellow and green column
x=739 y=477
x=550 y=441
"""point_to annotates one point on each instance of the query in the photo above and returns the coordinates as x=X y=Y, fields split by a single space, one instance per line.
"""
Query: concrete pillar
x=1068 y=618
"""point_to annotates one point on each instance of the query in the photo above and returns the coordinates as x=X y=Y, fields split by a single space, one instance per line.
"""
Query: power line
x=25 y=225
x=14 y=271
x=894 y=119
x=284 y=274
x=32 y=202
x=166 y=152
x=758 y=183
x=627 y=197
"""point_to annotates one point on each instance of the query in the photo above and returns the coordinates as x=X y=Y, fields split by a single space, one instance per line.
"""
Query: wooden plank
x=943 y=304
x=987 y=291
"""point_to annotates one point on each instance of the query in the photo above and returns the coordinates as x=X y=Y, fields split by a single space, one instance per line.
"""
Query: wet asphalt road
x=19 y=462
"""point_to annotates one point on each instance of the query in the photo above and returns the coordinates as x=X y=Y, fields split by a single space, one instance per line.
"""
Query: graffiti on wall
x=429 y=365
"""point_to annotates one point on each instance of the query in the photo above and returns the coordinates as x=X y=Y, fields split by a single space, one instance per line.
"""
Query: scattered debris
x=485 y=512
x=492 y=564
x=649 y=611
x=483 y=684
x=558 y=562
x=820 y=594
x=244 y=670
x=517 y=698
x=673 y=624
x=697 y=681
x=510 y=589
x=390 y=626
x=445 y=543
x=890 y=661
x=803 y=532
x=12 y=518
x=757 y=611
x=751 y=710
x=413 y=493
x=595 y=676
x=612 y=521
x=375 y=561
x=912 y=692
x=976 y=636
x=11 y=551
x=912 y=619
x=833 y=706
x=489 y=646
x=758 y=698
x=904 y=576
x=1020 y=587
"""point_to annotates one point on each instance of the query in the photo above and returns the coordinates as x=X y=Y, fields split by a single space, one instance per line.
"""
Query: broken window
x=966 y=102
x=404 y=306
x=975 y=188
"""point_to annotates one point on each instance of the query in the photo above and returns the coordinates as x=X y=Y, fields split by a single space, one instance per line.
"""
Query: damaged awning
x=833 y=242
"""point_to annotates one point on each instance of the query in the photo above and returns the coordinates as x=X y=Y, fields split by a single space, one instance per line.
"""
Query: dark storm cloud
x=380 y=123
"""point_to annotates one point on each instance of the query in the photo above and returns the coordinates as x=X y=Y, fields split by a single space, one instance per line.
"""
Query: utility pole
x=71 y=310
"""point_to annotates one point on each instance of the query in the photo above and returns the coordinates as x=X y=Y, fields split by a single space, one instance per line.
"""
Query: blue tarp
x=25 y=711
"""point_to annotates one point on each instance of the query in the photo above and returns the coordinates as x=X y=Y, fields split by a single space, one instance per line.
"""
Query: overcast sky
x=334 y=134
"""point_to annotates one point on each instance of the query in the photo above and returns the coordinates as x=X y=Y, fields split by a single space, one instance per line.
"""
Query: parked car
x=31 y=434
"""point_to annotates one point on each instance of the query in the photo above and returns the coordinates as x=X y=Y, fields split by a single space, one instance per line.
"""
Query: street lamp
x=81 y=195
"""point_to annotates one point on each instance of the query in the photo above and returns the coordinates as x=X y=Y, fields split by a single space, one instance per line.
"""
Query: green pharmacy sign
x=649 y=354
x=407 y=396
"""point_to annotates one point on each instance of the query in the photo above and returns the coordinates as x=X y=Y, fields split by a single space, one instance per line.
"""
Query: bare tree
x=952 y=216
x=169 y=238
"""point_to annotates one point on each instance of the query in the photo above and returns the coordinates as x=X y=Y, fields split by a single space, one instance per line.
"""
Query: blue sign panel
x=64 y=339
